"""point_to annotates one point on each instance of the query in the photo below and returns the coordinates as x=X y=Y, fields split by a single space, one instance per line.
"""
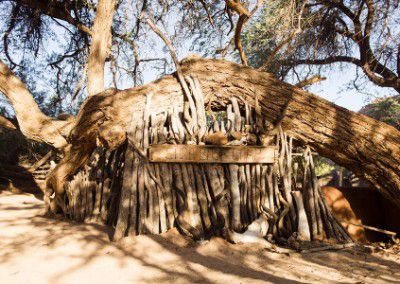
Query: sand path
x=34 y=249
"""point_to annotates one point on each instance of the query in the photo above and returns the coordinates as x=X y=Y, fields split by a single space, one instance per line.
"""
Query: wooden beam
x=212 y=154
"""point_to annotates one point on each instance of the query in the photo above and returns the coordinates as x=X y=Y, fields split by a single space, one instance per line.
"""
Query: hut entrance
x=228 y=173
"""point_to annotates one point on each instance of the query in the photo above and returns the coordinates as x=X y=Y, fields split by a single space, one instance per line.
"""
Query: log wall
x=123 y=189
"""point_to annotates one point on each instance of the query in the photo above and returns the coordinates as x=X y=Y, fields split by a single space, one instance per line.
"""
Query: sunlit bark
x=32 y=122
x=363 y=145
x=100 y=45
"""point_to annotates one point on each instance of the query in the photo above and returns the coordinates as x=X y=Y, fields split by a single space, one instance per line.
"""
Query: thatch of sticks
x=124 y=189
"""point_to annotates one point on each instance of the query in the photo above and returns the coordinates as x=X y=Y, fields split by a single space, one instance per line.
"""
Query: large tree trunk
x=363 y=145
x=33 y=123
x=100 y=45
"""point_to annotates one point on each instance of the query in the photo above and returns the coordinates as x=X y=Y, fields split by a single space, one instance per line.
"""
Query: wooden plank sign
x=167 y=153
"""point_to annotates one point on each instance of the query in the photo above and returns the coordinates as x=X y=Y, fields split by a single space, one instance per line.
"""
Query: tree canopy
x=386 y=110
x=318 y=33
x=47 y=43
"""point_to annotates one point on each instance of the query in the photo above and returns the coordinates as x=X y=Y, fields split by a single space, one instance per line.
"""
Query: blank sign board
x=168 y=153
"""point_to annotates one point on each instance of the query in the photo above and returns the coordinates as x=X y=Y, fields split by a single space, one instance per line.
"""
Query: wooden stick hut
x=205 y=172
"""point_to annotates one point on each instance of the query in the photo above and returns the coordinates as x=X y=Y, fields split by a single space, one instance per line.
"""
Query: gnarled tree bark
x=365 y=146
x=32 y=122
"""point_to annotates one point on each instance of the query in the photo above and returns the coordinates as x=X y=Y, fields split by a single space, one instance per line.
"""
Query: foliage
x=323 y=166
x=292 y=36
x=386 y=110
x=44 y=43
x=47 y=42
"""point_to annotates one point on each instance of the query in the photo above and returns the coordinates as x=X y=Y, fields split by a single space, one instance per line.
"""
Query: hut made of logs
x=177 y=168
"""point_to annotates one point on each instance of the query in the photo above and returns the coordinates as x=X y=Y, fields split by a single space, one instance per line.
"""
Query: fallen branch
x=330 y=247
x=41 y=161
x=390 y=233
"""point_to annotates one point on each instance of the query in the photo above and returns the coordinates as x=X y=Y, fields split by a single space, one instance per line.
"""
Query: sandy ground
x=35 y=249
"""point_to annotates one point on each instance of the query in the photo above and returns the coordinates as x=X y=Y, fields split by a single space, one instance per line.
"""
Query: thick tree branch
x=376 y=72
x=32 y=122
x=238 y=42
x=244 y=16
x=370 y=19
x=56 y=9
x=237 y=7
x=398 y=60
x=5 y=123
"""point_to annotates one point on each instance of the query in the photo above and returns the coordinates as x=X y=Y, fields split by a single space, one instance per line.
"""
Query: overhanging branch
x=32 y=122
x=56 y=9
